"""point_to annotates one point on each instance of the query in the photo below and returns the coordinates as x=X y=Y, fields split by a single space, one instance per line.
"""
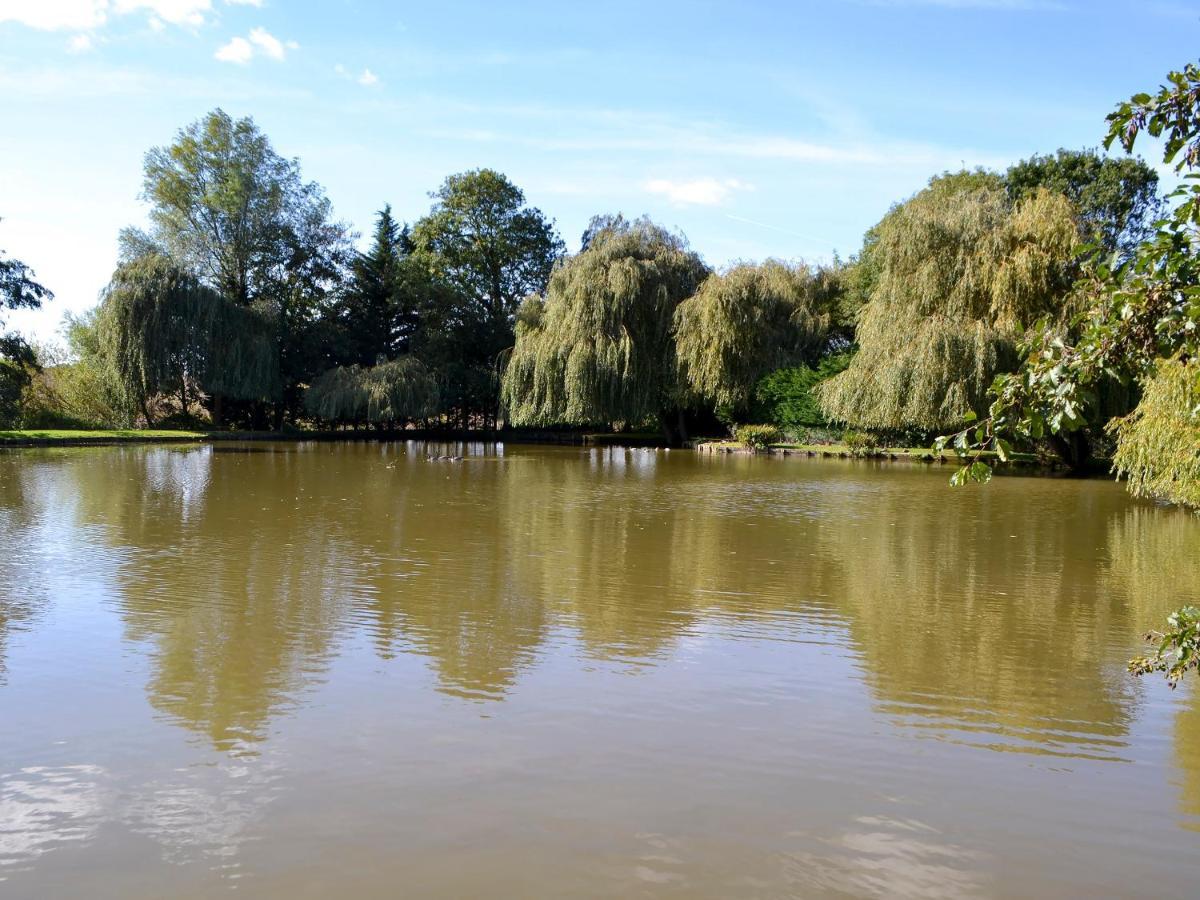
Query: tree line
x=243 y=303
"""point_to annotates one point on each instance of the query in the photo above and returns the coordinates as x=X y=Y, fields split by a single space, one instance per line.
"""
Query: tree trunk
x=1074 y=449
x=672 y=426
x=216 y=410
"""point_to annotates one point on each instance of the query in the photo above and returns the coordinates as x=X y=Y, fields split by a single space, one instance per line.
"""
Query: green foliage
x=785 y=397
x=745 y=322
x=483 y=250
x=18 y=290
x=860 y=443
x=390 y=392
x=1139 y=322
x=377 y=313
x=758 y=437
x=1116 y=199
x=960 y=271
x=481 y=237
x=1158 y=444
x=225 y=206
x=160 y=330
x=1176 y=651
x=234 y=214
x=599 y=347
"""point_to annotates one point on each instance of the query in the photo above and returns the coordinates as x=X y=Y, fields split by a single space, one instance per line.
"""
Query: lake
x=342 y=669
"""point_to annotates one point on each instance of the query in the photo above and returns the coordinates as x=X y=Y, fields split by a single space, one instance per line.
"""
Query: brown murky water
x=344 y=670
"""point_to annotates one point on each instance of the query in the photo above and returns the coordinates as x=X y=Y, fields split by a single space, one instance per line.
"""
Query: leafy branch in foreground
x=1177 y=649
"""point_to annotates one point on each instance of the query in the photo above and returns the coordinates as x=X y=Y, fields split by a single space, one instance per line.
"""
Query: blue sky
x=757 y=128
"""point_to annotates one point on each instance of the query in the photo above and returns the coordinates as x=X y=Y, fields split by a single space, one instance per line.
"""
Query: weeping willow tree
x=599 y=347
x=1158 y=444
x=746 y=322
x=163 y=332
x=399 y=390
x=961 y=271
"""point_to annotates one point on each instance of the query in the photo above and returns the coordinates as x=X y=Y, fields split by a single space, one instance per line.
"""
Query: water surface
x=313 y=670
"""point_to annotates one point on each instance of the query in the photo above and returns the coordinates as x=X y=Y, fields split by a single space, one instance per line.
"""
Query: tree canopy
x=227 y=207
x=1115 y=198
x=745 y=322
x=599 y=346
x=961 y=269
x=483 y=238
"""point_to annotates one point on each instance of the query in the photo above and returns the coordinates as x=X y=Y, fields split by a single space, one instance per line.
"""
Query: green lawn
x=56 y=436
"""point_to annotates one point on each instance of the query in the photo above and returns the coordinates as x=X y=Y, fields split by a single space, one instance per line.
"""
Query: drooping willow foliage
x=1158 y=444
x=746 y=322
x=399 y=390
x=599 y=347
x=162 y=331
x=961 y=271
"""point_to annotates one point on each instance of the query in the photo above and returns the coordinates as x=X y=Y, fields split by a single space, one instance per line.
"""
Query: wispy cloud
x=176 y=12
x=81 y=43
x=998 y=5
x=697 y=191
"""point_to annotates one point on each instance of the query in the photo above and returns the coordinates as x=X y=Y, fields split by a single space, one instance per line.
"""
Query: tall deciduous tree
x=227 y=207
x=961 y=270
x=483 y=238
x=747 y=321
x=484 y=249
x=599 y=346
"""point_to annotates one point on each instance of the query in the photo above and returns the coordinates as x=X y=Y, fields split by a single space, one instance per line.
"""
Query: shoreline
x=47 y=438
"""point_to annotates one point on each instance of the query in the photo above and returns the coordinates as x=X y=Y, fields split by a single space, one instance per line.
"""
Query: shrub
x=784 y=397
x=860 y=443
x=758 y=437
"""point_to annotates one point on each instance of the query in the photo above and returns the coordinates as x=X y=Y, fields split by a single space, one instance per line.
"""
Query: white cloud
x=366 y=78
x=81 y=43
x=267 y=43
x=697 y=192
x=259 y=42
x=257 y=3
x=88 y=15
x=55 y=15
x=237 y=51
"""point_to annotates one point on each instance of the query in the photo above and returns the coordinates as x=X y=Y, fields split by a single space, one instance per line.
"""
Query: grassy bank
x=50 y=437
